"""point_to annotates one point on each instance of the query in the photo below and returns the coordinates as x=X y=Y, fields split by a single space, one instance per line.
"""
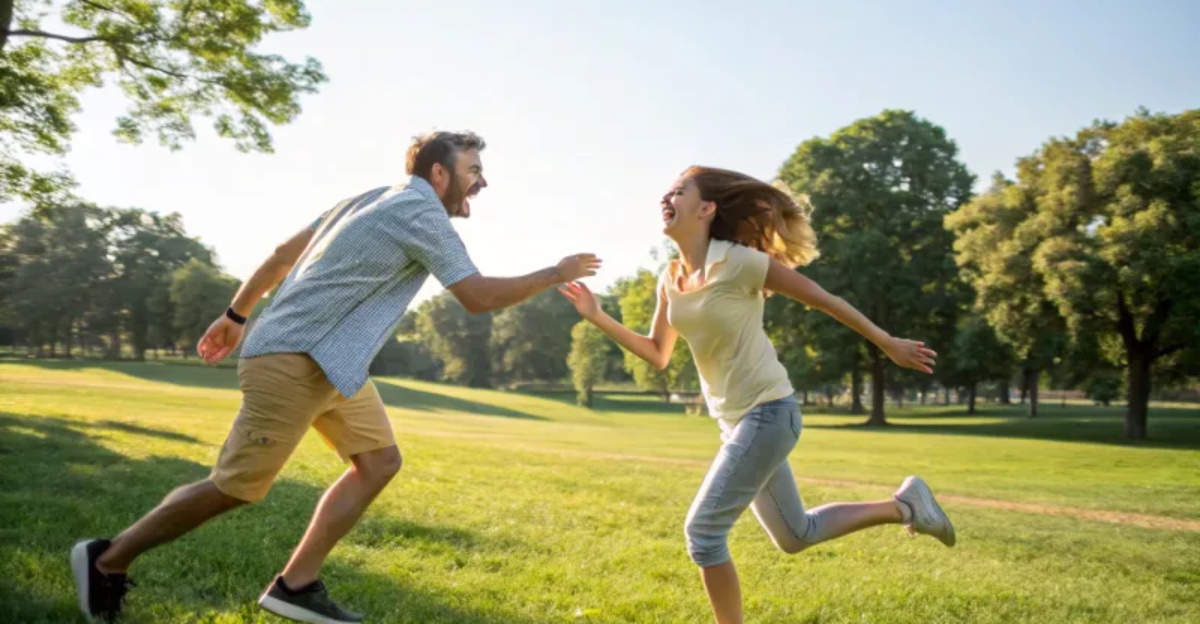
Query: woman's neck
x=693 y=252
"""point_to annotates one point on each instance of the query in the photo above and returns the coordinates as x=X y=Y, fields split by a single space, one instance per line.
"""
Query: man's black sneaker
x=307 y=604
x=100 y=595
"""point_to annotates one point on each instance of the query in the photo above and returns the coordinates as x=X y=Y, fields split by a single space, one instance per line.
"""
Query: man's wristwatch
x=234 y=316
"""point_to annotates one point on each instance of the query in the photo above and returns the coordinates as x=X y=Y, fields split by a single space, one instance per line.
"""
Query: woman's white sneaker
x=925 y=516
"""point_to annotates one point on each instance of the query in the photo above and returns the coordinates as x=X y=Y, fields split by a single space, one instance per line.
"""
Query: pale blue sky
x=590 y=110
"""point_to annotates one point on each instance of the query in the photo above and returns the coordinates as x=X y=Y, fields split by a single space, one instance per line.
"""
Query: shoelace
x=117 y=587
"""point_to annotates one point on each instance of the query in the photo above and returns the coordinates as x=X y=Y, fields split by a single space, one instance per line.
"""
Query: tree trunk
x=1005 y=399
x=588 y=397
x=971 y=390
x=53 y=348
x=945 y=395
x=878 y=417
x=856 y=383
x=1138 y=393
x=1031 y=384
x=923 y=395
x=114 y=345
x=6 y=18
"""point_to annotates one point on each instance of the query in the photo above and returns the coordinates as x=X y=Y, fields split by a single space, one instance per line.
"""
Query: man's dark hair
x=439 y=147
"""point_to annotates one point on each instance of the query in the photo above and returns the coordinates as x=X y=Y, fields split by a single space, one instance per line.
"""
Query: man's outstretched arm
x=479 y=294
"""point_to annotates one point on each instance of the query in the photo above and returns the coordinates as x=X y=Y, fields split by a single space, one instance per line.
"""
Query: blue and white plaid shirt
x=347 y=292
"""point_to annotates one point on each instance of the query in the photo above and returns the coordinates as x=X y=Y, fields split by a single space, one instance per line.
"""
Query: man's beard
x=454 y=196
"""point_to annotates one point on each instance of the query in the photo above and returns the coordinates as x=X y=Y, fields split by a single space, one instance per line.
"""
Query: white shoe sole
x=926 y=495
x=298 y=614
x=79 y=568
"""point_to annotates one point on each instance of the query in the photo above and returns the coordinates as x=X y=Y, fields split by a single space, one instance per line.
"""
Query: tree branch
x=47 y=35
x=1125 y=324
x=124 y=56
x=110 y=10
x=1155 y=323
x=1168 y=350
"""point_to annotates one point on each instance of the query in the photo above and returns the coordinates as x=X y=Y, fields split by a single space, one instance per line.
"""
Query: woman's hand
x=910 y=354
x=582 y=298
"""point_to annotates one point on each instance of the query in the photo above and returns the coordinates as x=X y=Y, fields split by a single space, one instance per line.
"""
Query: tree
x=175 y=60
x=978 y=357
x=588 y=359
x=638 y=298
x=460 y=340
x=196 y=290
x=614 y=369
x=147 y=248
x=530 y=341
x=408 y=358
x=881 y=187
x=54 y=257
x=817 y=351
x=994 y=249
x=1111 y=237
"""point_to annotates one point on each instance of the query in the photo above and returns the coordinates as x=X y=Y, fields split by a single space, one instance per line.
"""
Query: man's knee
x=380 y=465
x=215 y=497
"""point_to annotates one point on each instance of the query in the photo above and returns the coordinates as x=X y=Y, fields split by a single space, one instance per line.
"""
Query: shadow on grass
x=399 y=396
x=1169 y=427
x=180 y=373
x=629 y=404
x=43 y=422
x=58 y=484
x=225 y=377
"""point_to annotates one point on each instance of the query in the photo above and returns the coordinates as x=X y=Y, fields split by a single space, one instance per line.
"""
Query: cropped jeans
x=751 y=470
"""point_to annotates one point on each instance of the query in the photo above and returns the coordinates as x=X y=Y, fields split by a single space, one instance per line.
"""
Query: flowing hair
x=750 y=212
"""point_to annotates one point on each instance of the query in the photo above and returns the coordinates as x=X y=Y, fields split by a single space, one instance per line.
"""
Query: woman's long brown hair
x=750 y=212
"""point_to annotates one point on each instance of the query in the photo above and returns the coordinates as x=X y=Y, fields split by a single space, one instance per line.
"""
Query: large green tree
x=1112 y=235
x=460 y=340
x=196 y=289
x=174 y=60
x=146 y=249
x=56 y=258
x=995 y=247
x=588 y=359
x=638 y=296
x=818 y=352
x=880 y=188
x=530 y=341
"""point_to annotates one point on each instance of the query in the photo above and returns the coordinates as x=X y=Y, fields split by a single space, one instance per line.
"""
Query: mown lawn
x=514 y=508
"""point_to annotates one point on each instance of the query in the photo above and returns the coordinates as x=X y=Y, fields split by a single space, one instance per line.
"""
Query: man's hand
x=576 y=267
x=220 y=339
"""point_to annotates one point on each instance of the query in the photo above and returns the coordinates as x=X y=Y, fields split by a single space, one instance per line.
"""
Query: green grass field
x=519 y=509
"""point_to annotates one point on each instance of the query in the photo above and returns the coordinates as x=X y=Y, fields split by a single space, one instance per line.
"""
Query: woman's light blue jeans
x=751 y=470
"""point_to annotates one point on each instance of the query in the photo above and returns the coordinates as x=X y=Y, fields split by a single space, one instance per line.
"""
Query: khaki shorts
x=282 y=396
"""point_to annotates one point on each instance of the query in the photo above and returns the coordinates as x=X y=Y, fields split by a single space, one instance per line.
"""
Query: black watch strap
x=235 y=317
